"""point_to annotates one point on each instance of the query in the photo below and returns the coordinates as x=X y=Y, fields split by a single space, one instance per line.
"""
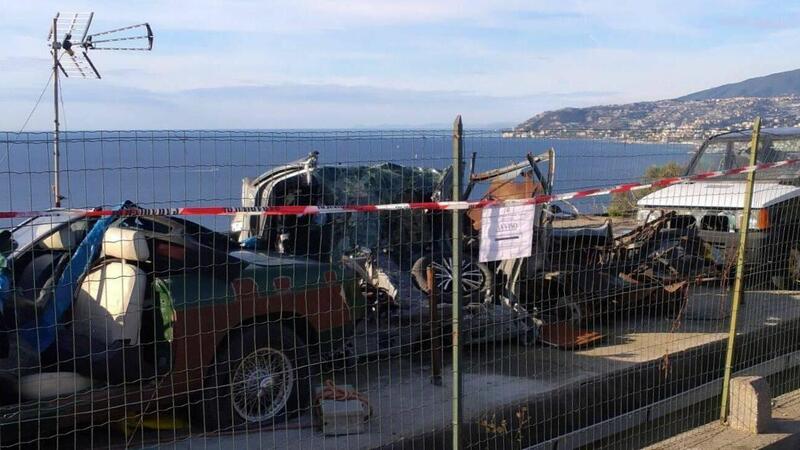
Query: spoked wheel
x=262 y=376
x=475 y=277
x=262 y=384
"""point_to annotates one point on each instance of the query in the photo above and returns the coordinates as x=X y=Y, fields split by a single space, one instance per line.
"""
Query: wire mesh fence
x=242 y=288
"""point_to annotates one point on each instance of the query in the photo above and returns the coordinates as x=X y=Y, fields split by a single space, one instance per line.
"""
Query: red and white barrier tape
x=451 y=205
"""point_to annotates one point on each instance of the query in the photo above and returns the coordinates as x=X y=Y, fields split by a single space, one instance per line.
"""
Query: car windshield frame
x=735 y=153
x=26 y=234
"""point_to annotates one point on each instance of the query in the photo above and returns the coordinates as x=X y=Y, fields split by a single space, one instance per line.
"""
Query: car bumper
x=764 y=256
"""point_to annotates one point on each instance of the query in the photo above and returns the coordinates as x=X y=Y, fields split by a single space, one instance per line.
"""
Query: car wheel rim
x=262 y=384
x=472 y=277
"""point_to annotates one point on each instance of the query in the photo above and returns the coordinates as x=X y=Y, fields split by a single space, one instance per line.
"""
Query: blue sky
x=417 y=63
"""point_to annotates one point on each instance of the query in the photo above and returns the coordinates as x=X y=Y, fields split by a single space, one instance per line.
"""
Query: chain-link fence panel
x=296 y=289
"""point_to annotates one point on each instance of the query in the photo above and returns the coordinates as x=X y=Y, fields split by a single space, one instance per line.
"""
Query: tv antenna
x=70 y=43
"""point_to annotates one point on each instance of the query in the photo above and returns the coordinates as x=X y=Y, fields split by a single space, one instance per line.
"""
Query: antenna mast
x=78 y=64
x=56 y=156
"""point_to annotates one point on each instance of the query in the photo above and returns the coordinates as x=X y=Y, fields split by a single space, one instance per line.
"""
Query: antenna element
x=70 y=43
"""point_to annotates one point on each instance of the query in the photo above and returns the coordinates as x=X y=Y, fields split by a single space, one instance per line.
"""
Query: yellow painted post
x=739 y=280
x=458 y=173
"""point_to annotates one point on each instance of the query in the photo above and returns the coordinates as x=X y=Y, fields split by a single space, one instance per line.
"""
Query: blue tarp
x=5 y=284
x=5 y=288
x=41 y=333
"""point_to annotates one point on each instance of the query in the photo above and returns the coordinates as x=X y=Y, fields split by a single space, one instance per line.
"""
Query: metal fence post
x=738 y=284
x=435 y=329
x=458 y=168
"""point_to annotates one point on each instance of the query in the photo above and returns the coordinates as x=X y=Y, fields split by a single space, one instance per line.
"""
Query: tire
x=788 y=277
x=240 y=377
x=793 y=270
x=476 y=277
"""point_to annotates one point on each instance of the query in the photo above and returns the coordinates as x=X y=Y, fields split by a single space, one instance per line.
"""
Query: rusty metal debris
x=574 y=276
x=593 y=275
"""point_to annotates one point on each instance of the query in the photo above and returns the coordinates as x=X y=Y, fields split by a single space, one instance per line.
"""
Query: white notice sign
x=507 y=232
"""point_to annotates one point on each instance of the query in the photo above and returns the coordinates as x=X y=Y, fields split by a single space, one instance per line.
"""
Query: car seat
x=40 y=270
x=107 y=309
x=108 y=306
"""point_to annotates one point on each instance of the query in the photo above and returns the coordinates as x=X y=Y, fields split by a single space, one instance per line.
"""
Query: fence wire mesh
x=334 y=329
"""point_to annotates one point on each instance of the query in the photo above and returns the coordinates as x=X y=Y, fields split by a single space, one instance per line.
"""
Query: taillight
x=762 y=219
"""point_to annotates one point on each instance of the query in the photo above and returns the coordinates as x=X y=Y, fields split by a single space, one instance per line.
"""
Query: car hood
x=718 y=194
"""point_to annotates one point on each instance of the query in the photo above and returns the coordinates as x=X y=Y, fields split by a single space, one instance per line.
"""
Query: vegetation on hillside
x=625 y=204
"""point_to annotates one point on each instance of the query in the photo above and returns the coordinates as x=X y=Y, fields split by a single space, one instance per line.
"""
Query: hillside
x=775 y=85
x=776 y=98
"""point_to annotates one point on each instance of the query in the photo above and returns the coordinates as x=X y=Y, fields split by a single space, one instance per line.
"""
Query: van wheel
x=261 y=377
x=794 y=267
x=791 y=277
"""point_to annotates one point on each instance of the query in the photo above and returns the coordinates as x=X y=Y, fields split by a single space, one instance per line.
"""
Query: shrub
x=625 y=204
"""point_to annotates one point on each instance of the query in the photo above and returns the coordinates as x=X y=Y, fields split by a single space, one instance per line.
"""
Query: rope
x=332 y=392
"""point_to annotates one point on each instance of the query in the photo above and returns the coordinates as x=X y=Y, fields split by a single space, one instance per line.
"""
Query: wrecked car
x=392 y=250
x=119 y=315
x=573 y=276
x=715 y=206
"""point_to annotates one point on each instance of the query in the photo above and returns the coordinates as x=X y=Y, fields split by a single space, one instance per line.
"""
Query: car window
x=729 y=155
x=780 y=150
x=722 y=156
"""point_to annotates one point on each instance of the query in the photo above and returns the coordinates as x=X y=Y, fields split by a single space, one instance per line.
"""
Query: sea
x=206 y=168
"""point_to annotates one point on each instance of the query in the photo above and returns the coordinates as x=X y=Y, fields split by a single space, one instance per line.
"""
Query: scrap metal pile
x=598 y=276
x=389 y=252
x=664 y=258
x=573 y=277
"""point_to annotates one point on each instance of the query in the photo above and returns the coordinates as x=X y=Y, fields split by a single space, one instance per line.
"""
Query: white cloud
x=504 y=59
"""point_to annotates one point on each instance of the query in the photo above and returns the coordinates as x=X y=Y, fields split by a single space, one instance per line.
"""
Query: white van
x=714 y=207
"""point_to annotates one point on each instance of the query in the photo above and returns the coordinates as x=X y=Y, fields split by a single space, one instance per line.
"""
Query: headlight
x=647 y=215
x=759 y=219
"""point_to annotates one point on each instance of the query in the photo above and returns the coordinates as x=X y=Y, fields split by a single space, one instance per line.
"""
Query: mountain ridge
x=773 y=85
x=775 y=98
